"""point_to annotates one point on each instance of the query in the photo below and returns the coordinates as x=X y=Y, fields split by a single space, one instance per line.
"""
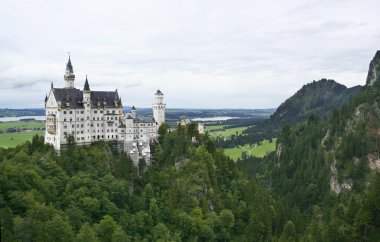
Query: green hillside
x=318 y=97
x=321 y=168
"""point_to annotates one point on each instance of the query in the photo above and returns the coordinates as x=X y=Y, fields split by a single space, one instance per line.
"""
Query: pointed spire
x=133 y=108
x=45 y=98
x=51 y=85
x=69 y=66
x=86 y=86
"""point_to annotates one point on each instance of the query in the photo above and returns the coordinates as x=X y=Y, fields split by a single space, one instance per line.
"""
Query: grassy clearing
x=258 y=151
x=22 y=125
x=8 y=140
x=216 y=131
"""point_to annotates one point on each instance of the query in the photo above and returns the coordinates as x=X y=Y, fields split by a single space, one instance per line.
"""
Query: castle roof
x=74 y=97
x=86 y=86
x=69 y=66
x=159 y=92
x=144 y=120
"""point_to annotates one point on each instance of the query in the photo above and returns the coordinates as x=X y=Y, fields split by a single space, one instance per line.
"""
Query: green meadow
x=22 y=125
x=258 y=151
x=224 y=131
x=8 y=140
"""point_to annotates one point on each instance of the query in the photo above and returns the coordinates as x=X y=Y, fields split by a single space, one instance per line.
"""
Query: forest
x=322 y=183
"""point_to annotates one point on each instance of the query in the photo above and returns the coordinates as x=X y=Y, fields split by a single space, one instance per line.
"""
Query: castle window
x=71 y=119
x=113 y=111
x=71 y=112
x=64 y=120
x=95 y=111
x=65 y=133
x=64 y=112
x=72 y=126
x=82 y=112
x=101 y=111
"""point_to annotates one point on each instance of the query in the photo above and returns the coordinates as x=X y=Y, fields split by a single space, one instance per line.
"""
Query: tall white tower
x=69 y=75
x=159 y=108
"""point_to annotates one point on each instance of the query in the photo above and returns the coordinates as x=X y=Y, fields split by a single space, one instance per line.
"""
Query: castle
x=85 y=116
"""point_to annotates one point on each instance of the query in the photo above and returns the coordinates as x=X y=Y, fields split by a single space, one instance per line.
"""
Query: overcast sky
x=201 y=54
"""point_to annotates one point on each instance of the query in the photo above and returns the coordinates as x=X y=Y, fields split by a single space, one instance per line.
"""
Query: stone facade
x=86 y=116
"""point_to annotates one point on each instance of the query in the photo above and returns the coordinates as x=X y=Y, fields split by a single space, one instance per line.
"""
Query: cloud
x=235 y=54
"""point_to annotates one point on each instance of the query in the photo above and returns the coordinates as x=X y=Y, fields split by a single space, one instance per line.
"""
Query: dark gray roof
x=159 y=93
x=144 y=120
x=69 y=66
x=86 y=86
x=133 y=108
x=74 y=97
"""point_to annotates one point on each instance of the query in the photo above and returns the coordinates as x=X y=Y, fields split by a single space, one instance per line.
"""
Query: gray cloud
x=239 y=54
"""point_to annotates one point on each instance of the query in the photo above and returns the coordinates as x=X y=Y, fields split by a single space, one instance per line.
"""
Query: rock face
x=374 y=70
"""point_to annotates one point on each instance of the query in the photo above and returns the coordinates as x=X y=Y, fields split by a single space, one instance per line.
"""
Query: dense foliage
x=318 y=156
x=192 y=192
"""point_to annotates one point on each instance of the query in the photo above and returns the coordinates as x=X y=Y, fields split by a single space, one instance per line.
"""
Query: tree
x=289 y=232
x=161 y=233
x=86 y=234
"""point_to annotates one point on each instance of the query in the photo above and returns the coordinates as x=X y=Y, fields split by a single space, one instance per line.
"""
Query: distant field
x=8 y=140
x=258 y=151
x=22 y=125
x=227 y=132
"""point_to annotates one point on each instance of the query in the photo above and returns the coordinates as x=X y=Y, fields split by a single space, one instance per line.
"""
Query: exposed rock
x=373 y=162
x=374 y=70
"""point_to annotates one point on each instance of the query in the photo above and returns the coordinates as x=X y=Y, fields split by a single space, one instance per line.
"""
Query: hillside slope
x=318 y=97
x=321 y=168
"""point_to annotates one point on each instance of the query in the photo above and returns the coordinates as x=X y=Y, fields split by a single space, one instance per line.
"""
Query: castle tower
x=133 y=112
x=159 y=108
x=69 y=75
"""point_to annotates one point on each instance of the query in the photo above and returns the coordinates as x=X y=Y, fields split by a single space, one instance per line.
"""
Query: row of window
x=95 y=112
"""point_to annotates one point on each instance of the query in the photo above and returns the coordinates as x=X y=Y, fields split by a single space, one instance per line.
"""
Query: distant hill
x=318 y=97
x=7 y=112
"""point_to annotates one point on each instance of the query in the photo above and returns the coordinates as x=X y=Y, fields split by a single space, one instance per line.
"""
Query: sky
x=200 y=54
